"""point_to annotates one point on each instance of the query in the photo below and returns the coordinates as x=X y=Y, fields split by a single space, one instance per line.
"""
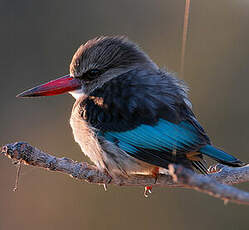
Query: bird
x=130 y=116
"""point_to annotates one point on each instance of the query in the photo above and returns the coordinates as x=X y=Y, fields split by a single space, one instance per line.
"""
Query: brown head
x=93 y=64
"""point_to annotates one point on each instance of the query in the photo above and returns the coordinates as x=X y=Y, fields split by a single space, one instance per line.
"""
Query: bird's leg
x=155 y=173
x=148 y=189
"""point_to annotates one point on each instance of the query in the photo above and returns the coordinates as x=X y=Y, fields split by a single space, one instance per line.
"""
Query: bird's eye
x=92 y=74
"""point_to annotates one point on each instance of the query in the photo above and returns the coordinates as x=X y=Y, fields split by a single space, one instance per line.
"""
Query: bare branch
x=213 y=184
x=207 y=184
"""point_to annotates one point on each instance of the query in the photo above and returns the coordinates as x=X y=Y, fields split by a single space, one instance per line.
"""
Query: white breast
x=86 y=137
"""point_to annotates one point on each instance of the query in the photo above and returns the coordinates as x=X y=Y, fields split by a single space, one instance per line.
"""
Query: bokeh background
x=38 y=39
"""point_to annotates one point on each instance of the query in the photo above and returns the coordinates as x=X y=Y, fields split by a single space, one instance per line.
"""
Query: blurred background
x=38 y=39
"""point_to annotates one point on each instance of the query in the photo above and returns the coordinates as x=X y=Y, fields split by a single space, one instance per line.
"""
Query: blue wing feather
x=164 y=137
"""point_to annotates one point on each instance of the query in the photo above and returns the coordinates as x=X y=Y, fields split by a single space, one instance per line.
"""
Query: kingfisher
x=130 y=116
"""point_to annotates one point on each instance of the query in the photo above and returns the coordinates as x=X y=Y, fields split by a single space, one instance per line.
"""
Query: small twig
x=19 y=165
x=184 y=36
x=105 y=187
x=213 y=184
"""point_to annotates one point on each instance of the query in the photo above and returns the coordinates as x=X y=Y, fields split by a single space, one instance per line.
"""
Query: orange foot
x=147 y=191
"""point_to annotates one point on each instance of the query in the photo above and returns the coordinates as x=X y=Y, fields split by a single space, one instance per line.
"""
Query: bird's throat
x=77 y=93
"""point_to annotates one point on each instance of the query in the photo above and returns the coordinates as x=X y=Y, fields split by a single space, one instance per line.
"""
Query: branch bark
x=215 y=184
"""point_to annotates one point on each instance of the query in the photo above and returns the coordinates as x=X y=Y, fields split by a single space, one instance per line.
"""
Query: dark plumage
x=138 y=107
x=130 y=116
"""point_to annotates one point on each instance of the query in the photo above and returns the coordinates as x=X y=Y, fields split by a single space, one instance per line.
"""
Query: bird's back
x=150 y=105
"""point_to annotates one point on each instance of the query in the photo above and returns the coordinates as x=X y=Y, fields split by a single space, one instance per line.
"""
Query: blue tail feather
x=220 y=156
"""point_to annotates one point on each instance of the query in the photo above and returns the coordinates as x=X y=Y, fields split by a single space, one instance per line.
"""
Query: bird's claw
x=215 y=168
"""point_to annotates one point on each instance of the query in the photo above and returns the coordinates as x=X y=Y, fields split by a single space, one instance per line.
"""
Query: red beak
x=61 y=85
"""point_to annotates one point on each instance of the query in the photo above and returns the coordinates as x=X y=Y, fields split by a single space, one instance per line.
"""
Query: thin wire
x=184 y=36
x=17 y=176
